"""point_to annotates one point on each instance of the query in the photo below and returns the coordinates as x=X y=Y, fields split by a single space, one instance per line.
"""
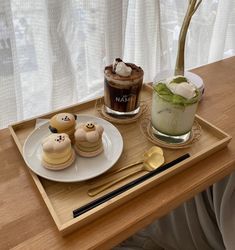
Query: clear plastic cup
x=172 y=122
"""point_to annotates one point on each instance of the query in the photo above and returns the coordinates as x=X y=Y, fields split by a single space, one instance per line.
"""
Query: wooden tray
x=62 y=198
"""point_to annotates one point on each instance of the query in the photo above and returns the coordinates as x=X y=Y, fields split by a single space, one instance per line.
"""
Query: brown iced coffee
x=122 y=86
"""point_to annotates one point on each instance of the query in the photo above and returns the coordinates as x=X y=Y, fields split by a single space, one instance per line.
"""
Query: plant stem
x=192 y=7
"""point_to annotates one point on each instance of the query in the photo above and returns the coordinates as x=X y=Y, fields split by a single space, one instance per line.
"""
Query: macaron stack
x=58 y=148
x=57 y=152
x=88 y=139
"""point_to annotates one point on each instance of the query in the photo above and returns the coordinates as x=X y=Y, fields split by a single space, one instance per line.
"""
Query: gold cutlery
x=147 y=154
x=151 y=161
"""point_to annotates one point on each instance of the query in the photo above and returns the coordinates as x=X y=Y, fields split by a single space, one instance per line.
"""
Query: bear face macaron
x=57 y=152
x=63 y=123
x=88 y=139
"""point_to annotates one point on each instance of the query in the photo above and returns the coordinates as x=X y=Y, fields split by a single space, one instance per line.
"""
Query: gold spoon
x=154 y=161
x=147 y=154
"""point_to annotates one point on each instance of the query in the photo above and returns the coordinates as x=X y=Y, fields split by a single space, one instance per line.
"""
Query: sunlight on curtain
x=52 y=53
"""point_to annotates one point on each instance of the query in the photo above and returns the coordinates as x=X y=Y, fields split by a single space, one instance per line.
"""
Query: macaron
x=57 y=152
x=63 y=123
x=88 y=139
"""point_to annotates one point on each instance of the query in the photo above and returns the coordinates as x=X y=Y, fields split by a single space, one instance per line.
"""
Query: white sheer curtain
x=53 y=52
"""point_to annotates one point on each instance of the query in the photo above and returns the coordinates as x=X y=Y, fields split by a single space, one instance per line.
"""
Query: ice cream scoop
x=181 y=86
x=120 y=68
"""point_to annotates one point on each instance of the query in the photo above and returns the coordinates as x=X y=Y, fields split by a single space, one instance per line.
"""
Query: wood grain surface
x=62 y=198
x=26 y=223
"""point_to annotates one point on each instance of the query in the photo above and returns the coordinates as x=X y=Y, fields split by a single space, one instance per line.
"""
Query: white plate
x=83 y=168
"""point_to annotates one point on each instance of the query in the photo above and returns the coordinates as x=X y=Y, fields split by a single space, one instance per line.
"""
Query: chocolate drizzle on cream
x=120 y=68
x=115 y=62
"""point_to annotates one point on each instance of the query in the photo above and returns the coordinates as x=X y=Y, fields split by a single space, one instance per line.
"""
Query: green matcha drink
x=174 y=105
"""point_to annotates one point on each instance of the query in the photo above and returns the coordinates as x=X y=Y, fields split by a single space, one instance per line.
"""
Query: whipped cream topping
x=185 y=89
x=120 y=68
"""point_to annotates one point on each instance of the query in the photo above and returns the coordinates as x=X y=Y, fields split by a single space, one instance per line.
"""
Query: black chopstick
x=126 y=187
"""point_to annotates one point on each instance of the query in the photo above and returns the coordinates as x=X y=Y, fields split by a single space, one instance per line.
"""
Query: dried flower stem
x=192 y=7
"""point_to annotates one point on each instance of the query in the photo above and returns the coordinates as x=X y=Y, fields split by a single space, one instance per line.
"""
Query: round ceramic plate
x=83 y=168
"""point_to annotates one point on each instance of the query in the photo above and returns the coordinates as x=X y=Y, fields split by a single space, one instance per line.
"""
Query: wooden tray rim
x=70 y=225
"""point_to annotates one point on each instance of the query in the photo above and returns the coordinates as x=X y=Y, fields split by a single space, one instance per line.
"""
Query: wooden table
x=25 y=222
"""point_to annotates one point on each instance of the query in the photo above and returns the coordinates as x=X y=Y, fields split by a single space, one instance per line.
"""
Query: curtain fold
x=142 y=37
x=10 y=85
x=53 y=52
x=220 y=29
x=113 y=30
